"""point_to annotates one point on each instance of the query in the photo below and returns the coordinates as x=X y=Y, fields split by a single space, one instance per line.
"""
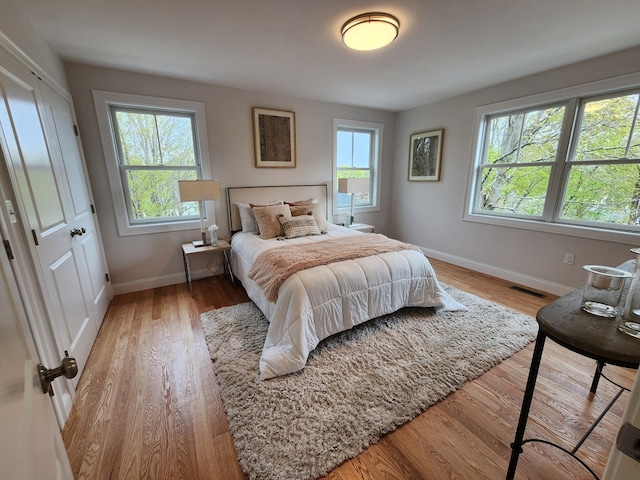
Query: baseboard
x=518 y=278
x=524 y=280
x=156 y=282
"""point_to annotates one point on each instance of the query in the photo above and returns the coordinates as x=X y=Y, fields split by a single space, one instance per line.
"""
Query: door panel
x=89 y=247
x=70 y=305
x=30 y=445
x=49 y=210
x=36 y=173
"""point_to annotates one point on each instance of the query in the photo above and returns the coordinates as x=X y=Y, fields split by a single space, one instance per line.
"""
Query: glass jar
x=629 y=321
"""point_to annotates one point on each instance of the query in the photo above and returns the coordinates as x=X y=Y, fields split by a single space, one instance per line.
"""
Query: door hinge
x=75 y=130
x=106 y=275
x=35 y=237
x=93 y=209
x=7 y=247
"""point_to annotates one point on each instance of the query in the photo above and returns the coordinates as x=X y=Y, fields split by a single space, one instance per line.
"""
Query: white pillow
x=247 y=218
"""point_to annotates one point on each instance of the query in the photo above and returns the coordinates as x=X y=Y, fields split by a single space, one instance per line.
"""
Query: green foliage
x=601 y=193
x=606 y=127
x=603 y=184
x=157 y=150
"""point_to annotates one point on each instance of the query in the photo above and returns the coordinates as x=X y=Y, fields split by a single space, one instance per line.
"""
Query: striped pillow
x=300 y=226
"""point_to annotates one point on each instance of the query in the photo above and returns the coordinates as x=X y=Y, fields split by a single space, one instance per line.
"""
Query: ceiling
x=293 y=47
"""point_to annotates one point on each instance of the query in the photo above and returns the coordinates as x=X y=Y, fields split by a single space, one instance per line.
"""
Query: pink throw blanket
x=274 y=266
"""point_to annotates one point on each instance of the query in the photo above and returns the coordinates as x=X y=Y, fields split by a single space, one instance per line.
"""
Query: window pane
x=362 y=149
x=155 y=139
x=176 y=140
x=153 y=194
x=603 y=193
x=606 y=127
x=344 y=154
x=138 y=138
x=524 y=137
x=514 y=190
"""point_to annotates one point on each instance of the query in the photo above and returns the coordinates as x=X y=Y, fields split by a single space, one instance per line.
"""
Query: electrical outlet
x=569 y=258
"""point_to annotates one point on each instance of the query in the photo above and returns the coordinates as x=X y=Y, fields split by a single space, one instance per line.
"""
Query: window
x=357 y=147
x=572 y=163
x=150 y=144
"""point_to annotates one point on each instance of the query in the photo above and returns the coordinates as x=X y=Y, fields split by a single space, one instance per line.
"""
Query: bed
x=307 y=305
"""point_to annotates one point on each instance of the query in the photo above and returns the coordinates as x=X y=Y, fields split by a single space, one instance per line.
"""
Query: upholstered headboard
x=289 y=193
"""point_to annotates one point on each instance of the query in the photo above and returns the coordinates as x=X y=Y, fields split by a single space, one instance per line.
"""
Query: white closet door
x=47 y=215
x=88 y=246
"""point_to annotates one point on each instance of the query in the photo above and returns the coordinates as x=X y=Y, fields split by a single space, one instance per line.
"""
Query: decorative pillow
x=247 y=219
x=316 y=211
x=267 y=220
x=300 y=226
x=299 y=203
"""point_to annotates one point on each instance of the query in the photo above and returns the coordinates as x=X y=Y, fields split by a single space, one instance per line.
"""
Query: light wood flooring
x=148 y=403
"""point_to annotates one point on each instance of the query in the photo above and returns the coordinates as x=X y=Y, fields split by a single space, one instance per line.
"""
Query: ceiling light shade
x=370 y=31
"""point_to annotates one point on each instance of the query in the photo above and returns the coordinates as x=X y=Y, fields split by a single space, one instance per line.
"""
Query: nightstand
x=188 y=249
x=362 y=227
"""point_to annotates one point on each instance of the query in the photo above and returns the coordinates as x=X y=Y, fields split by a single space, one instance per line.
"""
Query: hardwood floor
x=148 y=403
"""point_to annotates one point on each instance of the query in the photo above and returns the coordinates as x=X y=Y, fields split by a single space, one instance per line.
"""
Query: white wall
x=429 y=214
x=143 y=261
x=21 y=33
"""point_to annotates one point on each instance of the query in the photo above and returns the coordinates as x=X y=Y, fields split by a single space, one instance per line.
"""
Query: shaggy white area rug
x=357 y=385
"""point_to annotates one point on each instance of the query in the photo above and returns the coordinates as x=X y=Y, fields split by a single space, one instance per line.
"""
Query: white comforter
x=316 y=303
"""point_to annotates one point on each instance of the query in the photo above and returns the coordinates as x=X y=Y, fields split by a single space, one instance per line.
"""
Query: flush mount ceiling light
x=370 y=31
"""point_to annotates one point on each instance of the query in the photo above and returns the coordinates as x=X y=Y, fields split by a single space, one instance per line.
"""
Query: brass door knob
x=68 y=368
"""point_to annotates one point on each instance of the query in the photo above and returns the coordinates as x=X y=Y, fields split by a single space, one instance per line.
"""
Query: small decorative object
x=274 y=137
x=213 y=232
x=629 y=322
x=425 y=156
x=603 y=290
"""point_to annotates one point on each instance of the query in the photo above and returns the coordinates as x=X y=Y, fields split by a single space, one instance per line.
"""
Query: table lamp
x=352 y=186
x=199 y=191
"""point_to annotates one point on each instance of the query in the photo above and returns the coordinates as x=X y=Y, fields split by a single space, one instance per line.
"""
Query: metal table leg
x=187 y=271
x=596 y=376
x=516 y=446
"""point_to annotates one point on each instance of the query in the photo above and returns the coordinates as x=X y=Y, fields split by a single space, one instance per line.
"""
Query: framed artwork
x=274 y=137
x=425 y=156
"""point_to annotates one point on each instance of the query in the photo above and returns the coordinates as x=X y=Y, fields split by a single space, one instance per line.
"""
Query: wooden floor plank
x=148 y=403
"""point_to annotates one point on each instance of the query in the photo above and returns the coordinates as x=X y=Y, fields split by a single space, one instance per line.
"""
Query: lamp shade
x=370 y=31
x=353 y=185
x=196 y=190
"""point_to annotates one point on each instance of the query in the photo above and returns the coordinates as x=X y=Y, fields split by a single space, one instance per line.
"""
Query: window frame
x=376 y=160
x=104 y=103
x=571 y=98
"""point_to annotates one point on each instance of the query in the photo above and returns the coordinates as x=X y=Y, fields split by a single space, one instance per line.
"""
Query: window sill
x=617 y=236
x=162 y=227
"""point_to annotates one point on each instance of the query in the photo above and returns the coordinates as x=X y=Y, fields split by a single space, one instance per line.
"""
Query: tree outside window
x=538 y=164
x=156 y=149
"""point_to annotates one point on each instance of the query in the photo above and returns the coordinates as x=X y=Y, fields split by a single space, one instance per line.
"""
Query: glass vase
x=629 y=321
